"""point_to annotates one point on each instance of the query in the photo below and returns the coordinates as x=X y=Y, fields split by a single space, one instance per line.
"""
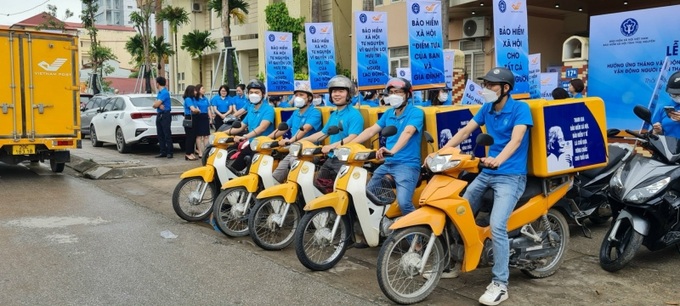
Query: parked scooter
x=276 y=215
x=232 y=205
x=331 y=222
x=587 y=199
x=193 y=196
x=443 y=230
x=645 y=198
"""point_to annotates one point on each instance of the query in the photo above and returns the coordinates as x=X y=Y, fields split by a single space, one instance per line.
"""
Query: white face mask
x=317 y=101
x=489 y=95
x=254 y=98
x=443 y=97
x=676 y=99
x=299 y=102
x=394 y=100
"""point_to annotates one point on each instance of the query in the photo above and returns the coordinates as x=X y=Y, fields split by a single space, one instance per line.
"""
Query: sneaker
x=448 y=273
x=494 y=295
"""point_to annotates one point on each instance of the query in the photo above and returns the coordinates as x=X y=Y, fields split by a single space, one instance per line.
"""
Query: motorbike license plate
x=23 y=149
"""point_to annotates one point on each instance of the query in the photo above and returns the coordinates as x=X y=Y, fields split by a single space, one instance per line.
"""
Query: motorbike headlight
x=361 y=156
x=439 y=163
x=253 y=144
x=308 y=151
x=342 y=154
x=294 y=149
x=266 y=145
x=642 y=194
x=256 y=157
x=223 y=140
x=616 y=184
x=211 y=138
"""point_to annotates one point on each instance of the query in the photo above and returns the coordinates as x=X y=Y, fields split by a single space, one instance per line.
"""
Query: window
x=108 y=105
x=378 y=2
x=474 y=58
x=119 y=105
x=398 y=59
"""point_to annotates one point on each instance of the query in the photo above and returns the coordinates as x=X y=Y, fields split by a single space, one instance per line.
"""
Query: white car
x=130 y=119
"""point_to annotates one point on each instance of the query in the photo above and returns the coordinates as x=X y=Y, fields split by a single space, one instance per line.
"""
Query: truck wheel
x=93 y=137
x=120 y=142
x=57 y=167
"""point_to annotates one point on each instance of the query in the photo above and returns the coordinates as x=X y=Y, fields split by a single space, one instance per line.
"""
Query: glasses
x=396 y=92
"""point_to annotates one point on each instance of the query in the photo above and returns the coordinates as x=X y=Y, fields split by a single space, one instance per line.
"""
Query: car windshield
x=148 y=101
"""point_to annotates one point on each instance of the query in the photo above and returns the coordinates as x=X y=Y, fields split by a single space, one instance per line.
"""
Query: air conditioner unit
x=196 y=7
x=475 y=27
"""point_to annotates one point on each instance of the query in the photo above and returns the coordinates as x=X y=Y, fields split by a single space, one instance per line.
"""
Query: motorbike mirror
x=643 y=113
x=332 y=130
x=428 y=137
x=612 y=132
x=236 y=125
x=484 y=140
x=388 y=131
x=283 y=126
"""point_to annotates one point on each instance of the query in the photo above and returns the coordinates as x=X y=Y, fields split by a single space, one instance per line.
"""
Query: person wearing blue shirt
x=163 y=118
x=666 y=117
x=576 y=87
x=239 y=103
x=190 y=136
x=404 y=164
x=201 y=125
x=508 y=122
x=371 y=99
x=341 y=90
x=220 y=105
x=440 y=97
x=357 y=98
x=320 y=101
x=258 y=121
x=305 y=120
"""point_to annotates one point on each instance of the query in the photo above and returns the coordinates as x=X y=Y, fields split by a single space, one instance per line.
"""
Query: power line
x=12 y=14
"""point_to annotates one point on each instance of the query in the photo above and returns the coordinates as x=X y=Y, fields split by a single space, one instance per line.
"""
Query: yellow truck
x=39 y=99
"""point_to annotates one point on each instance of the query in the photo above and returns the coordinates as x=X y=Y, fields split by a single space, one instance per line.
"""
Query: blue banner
x=660 y=83
x=448 y=67
x=279 y=62
x=549 y=81
x=626 y=55
x=370 y=30
x=512 y=43
x=320 y=54
x=535 y=75
x=425 y=44
x=448 y=124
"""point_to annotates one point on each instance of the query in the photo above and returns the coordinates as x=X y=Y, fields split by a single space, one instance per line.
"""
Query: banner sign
x=320 y=54
x=404 y=73
x=448 y=124
x=425 y=44
x=512 y=43
x=535 y=75
x=279 y=62
x=472 y=93
x=370 y=30
x=448 y=67
x=549 y=81
x=627 y=51
x=661 y=82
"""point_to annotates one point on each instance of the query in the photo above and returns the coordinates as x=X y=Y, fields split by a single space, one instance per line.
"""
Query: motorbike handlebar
x=636 y=134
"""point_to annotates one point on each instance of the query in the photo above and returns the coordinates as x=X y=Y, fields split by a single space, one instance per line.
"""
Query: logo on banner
x=402 y=73
x=629 y=27
x=312 y=30
x=516 y=6
x=363 y=18
x=271 y=37
x=430 y=8
x=325 y=29
x=415 y=8
x=502 y=6
x=472 y=87
x=283 y=38
x=377 y=17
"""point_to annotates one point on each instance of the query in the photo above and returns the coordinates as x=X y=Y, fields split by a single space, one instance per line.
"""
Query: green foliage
x=195 y=42
x=301 y=76
x=341 y=70
x=51 y=21
x=175 y=16
x=161 y=50
x=238 y=9
x=260 y=76
x=279 y=20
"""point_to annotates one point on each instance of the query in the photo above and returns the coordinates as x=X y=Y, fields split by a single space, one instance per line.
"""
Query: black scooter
x=587 y=199
x=645 y=199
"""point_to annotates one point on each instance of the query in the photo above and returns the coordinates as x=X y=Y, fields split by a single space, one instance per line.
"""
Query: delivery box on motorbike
x=568 y=136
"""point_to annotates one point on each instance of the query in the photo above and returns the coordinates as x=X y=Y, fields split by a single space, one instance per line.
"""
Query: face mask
x=443 y=97
x=317 y=101
x=254 y=98
x=299 y=102
x=489 y=95
x=394 y=100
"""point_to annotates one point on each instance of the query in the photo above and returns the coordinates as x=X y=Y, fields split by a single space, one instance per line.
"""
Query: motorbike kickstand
x=586 y=231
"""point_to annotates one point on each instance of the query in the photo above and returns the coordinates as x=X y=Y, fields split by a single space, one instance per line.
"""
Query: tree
x=195 y=43
x=161 y=50
x=279 y=19
x=140 y=20
x=176 y=17
x=228 y=9
x=135 y=47
x=98 y=54
x=51 y=21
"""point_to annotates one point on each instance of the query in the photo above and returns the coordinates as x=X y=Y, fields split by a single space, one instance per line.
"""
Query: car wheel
x=93 y=137
x=120 y=142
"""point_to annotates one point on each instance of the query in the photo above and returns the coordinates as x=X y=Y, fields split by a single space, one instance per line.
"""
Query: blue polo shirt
x=239 y=102
x=670 y=127
x=356 y=99
x=255 y=117
x=188 y=103
x=409 y=155
x=499 y=125
x=371 y=102
x=352 y=123
x=222 y=104
x=164 y=96
x=284 y=104
x=202 y=104
x=578 y=95
x=311 y=116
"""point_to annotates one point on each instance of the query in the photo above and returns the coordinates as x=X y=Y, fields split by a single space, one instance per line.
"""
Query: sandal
x=190 y=157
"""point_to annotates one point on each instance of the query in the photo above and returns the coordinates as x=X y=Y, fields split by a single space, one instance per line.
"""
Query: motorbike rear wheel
x=559 y=225
x=188 y=202
x=314 y=246
x=263 y=223
x=231 y=211
x=399 y=262
x=614 y=255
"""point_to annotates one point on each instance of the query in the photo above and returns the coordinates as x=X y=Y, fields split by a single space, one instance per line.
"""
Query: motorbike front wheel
x=188 y=202
x=264 y=223
x=231 y=211
x=615 y=254
x=558 y=225
x=314 y=246
x=399 y=264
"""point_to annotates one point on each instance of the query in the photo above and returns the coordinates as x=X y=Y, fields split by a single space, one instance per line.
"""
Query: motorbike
x=276 y=215
x=193 y=196
x=587 y=199
x=232 y=206
x=444 y=231
x=350 y=214
x=645 y=197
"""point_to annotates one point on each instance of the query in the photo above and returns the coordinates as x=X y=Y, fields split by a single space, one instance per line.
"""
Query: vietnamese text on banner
x=372 y=57
x=512 y=43
x=279 y=62
x=425 y=44
x=320 y=54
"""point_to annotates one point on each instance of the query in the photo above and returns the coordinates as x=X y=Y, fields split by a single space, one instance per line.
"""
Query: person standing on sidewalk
x=190 y=140
x=163 y=118
x=220 y=104
x=201 y=111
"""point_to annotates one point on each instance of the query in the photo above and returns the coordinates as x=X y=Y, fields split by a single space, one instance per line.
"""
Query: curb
x=93 y=170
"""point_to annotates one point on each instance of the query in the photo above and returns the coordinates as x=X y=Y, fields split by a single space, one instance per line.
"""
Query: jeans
x=281 y=172
x=163 y=121
x=507 y=191
x=406 y=179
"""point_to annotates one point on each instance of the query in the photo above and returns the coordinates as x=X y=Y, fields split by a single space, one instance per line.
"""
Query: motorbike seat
x=534 y=187
x=616 y=154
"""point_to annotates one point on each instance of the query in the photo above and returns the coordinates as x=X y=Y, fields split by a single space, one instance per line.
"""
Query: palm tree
x=135 y=47
x=140 y=19
x=237 y=9
x=161 y=49
x=176 y=17
x=195 y=42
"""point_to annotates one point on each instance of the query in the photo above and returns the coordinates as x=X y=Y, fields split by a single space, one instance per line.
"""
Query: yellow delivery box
x=568 y=136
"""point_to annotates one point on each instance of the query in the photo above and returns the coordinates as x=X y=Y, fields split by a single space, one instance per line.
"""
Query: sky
x=12 y=11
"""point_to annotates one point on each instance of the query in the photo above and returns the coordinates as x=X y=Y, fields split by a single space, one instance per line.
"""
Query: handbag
x=188 y=123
